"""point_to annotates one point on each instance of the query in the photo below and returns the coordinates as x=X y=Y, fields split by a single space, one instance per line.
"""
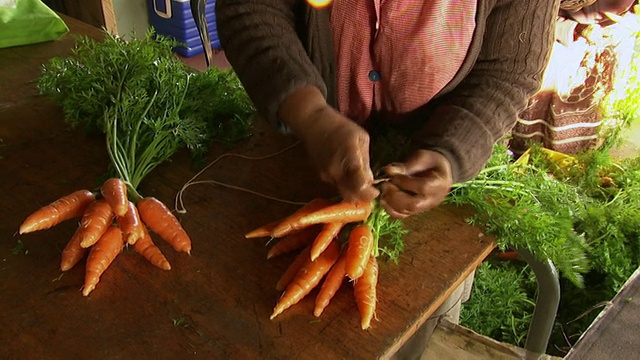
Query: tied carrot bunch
x=147 y=103
x=325 y=261
x=109 y=221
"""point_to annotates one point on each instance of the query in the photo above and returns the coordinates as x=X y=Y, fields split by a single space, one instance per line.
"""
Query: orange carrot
x=262 y=231
x=94 y=223
x=131 y=225
x=72 y=254
x=359 y=248
x=330 y=286
x=290 y=223
x=101 y=256
x=114 y=191
x=145 y=247
x=292 y=270
x=344 y=212
x=293 y=241
x=324 y=238
x=364 y=290
x=508 y=255
x=160 y=220
x=307 y=278
x=65 y=208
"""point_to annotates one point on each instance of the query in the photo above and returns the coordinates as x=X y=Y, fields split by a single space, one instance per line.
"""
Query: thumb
x=395 y=169
x=419 y=161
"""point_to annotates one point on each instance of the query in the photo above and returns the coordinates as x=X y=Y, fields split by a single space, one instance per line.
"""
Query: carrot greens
x=388 y=234
x=146 y=101
x=148 y=104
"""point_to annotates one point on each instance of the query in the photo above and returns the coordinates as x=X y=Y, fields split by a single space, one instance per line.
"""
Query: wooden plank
x=109 y=16
x=612 y=334
x=87 y=11
x=215 y=303
x=454 y=342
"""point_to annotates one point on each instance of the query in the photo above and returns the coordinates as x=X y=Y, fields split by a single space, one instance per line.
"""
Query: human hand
x=416 y=185
x=339 y=149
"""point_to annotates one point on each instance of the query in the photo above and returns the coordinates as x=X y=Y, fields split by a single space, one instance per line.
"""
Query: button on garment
x=374 y=75
x=414 y=47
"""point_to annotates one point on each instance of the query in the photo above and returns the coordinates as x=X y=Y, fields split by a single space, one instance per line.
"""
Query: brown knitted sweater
x=277 y=46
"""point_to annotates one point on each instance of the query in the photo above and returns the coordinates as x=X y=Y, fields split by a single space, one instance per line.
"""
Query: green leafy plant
x=388 y=234
x=525 y=207
x=146 y=101
x=602 y=209
x=501 y=307
x=604 y=214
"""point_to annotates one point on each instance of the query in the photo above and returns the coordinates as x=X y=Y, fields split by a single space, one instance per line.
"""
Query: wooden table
x=215 y=303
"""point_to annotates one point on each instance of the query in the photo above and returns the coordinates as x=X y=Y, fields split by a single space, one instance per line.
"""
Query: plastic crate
x=173 y=18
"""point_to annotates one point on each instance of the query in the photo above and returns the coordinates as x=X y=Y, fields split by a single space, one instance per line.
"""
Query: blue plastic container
x=173 y=18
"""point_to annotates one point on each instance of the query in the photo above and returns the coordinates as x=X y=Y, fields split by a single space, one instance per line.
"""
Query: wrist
x=299 y=108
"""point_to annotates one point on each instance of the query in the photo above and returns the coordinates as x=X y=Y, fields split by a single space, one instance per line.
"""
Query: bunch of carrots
x=147 y=104
x=109 y=220
x=314 y=228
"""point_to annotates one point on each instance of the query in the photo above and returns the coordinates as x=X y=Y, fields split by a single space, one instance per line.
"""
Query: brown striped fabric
x=566 y=116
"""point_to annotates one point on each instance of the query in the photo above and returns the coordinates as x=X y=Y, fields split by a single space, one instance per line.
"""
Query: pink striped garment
x=393 y=56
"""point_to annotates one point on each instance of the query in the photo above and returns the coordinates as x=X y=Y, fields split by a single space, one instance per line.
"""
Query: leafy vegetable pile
x=592 y=202
x=148 y=104
x=586 y=218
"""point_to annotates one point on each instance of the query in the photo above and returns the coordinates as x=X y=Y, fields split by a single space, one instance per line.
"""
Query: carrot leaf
x=388 y=233
x=146 y=101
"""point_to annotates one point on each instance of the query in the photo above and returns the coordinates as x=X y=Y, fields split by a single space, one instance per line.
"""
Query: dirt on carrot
x=364 y=289
x=330 y=286
x=358 y=251
x=291 y=223
x=130 y=224
x=293 y=241
x=342 y=212
x=145 y=247
x=161 y=221
x=307 y=278
x=65 y=208
x=101 y=256
x=114 y=191
x=95 y=221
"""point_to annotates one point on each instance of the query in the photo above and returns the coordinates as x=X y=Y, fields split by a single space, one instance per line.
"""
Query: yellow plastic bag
x=563 y=163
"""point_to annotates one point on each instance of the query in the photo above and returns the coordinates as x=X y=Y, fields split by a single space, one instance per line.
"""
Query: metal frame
x=547 y=303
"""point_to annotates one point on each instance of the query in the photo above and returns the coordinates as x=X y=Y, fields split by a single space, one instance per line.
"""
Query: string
x=179 y=202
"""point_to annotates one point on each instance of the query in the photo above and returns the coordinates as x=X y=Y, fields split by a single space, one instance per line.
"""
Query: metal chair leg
x=547 y=303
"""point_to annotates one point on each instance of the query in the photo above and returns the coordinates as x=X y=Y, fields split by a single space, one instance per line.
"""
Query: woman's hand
x=419 y=184
x=339 y=150
x=336 y=145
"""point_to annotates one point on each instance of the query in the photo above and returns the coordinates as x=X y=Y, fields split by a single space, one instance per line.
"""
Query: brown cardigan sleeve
x=468 y=120
x=267 y=43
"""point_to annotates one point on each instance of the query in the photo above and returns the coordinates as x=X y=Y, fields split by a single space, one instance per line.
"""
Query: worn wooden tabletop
x=215 y=303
